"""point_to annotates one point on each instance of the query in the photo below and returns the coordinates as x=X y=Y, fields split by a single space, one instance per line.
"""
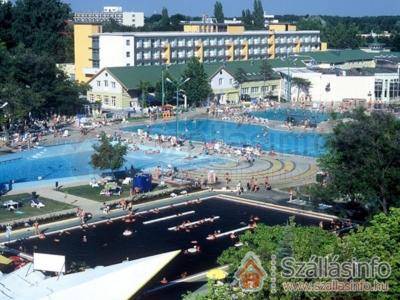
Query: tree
x=266 y=72
x=107 y=156
x=240 y=77
x=298 y=241
x=6 y=22
x=247 y=18
x=301 y=84
x=144 y=87
x=363 y=160
x=113 y=26
x=380 y=238
x=198 y=87
x=165 y=21
x=34 y=87
x=258 y=15
x=41 y=25
x=169 y=88
x=218 y=12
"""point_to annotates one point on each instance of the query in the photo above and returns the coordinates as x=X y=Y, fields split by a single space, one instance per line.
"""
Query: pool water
x=106 y=245
x=235 y=134
x=72 y=160
x=299 y=115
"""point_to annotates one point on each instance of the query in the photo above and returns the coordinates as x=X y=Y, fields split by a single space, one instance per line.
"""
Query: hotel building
x=208 y=41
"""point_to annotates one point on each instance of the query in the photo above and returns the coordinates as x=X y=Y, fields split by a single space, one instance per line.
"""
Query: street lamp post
x=178 y=85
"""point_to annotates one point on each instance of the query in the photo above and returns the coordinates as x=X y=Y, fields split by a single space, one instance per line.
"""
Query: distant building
x=135 y=19
x=338 y=86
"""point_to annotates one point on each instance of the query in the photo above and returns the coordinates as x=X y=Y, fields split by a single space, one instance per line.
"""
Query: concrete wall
x=327 y=88
x=113 y=51
x=82 y=48
x=135 y=19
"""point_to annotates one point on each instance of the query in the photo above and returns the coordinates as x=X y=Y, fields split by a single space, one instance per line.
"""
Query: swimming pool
x=299 y=115
x=110 y=246
x=301 y=143
x=72 y=160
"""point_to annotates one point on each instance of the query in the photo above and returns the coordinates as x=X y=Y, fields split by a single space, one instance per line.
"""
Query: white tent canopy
x=119 y=281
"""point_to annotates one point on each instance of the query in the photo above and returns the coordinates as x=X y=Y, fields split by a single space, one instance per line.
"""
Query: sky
x=234 y=7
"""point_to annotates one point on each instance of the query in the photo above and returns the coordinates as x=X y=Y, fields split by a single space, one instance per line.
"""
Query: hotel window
x=106 y=100
x=220 y=81
x=98 y=83
x=254 y=90
x=128 y=42
x=230 y=81
x=128 y=54
x=91 y=98
x=113 y=100
x=113 y=84
x=105 y=83
x=245 y=90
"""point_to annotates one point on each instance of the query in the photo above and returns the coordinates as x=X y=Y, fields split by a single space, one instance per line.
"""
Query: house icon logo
x=251 y=275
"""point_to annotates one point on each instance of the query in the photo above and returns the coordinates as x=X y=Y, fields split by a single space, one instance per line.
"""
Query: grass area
x=86 y=191
x=26 y=211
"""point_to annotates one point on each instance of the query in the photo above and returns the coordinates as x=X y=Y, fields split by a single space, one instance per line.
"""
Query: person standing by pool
x=36 y=227
x=8 y=231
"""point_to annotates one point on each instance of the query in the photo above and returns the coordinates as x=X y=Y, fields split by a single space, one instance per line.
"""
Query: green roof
x=130 y=77
x=338 y=56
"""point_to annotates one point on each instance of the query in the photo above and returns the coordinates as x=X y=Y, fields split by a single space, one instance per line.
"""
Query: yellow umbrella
x=216 y=274
x=4 y=260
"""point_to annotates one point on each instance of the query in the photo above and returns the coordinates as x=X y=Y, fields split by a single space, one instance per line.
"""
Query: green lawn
x=86 y=191
x=26 y=211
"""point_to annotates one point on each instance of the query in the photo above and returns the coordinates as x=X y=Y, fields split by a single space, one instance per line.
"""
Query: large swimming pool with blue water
x=235 y=134
x=73 y=160
x=298 y=115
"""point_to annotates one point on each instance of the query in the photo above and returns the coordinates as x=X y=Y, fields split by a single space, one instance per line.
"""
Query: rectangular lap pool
x=105 y=244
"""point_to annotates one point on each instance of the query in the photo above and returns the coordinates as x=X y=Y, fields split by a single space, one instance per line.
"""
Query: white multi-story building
x=135 y=19
x=158 y=48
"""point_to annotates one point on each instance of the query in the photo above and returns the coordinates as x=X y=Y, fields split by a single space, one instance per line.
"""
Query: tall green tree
x=247 y=18
x=108 y=156
x=6 y=23
x=258 y=14
x=41 y=25
x=34 y=86
x=266 y=72
x=144 y=87
x=363 y=160
x=198 y=87
x=240 y=77
x=219 y=12
x=301 y=84
x=165 y=21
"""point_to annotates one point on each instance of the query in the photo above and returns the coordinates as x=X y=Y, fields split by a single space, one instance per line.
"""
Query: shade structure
x=115 y=282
